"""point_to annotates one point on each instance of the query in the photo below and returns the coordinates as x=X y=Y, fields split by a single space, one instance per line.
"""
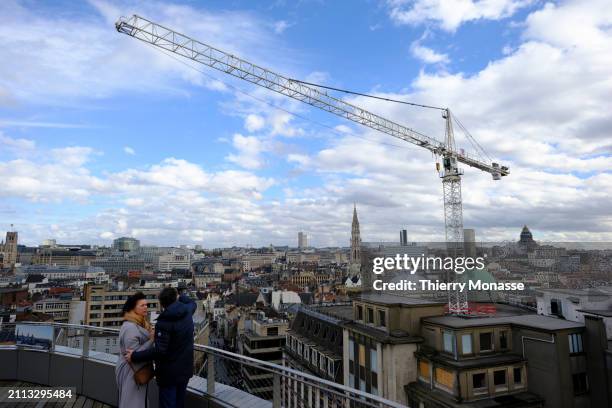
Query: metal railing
x=217 y=372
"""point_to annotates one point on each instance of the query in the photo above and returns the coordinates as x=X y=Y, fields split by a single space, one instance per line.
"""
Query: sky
x=103 y=136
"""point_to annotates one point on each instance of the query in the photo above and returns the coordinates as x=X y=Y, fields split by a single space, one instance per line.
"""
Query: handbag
x=144 y=375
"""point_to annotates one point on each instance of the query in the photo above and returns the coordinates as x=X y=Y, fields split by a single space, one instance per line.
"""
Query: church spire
x=355 y=239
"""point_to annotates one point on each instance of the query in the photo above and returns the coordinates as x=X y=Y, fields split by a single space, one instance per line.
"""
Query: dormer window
x=448 y=341
x=486 y=341
x=370 y=316
x=466 y=343
x=503 y=339
x=382 y=318
x=360 y=313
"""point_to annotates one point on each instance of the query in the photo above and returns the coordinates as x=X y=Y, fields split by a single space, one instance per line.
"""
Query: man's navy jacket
x=173 y=347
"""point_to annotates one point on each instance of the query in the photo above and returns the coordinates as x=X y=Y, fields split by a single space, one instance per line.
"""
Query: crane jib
x=172 y=41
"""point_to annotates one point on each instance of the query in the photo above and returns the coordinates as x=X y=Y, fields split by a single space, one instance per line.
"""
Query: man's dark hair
x=131 y=301
x=167 y=297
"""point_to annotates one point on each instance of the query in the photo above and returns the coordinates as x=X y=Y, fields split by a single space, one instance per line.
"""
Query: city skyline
x=102 y=137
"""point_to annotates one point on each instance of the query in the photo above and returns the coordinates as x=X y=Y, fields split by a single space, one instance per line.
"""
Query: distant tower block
x=403 y=237
x=469 y=242
x=302 y=240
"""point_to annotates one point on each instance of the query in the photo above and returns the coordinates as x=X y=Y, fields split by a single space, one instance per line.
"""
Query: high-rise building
x=469 y=242
x=403 y=237
x=126 y=244
x=302 y=240
x=355 y=240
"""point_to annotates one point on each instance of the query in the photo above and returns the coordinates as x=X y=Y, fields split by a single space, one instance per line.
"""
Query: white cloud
x=280 y=26
x=249 y=152
x=17 y=146
x=253 y=122
x=129 y=150
x=60 y=60
x=427 y=55
x=450 y=14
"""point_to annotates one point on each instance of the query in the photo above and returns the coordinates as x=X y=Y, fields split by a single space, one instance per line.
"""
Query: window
x=503 y=339
x=374 y=389
x=362 y=354
x=479 y=382
x=580 y=383
x=315 y=357
x=449 y=341
x=330 y=367
x=370 y=316
x=499 y=379
x=351 y=349
x=373 y=360
x=272 y=331
x=466 y=343
x=323 y=362
x=575 y=343
x=486 y=343
x=382 y=318
x=518 y=376
x=359 y=312
x=424 y=369
x=445 y=378
x=306 y=353
x=555 y=307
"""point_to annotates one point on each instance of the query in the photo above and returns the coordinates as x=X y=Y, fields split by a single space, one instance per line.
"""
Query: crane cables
x=367 y=95
x=477 y=147
x=272 y=105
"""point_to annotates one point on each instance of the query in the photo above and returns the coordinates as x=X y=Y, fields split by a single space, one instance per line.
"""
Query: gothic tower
x=10 y=249
x=355 y=243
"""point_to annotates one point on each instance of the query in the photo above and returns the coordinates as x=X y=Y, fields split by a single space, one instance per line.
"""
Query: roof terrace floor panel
x=80 y=402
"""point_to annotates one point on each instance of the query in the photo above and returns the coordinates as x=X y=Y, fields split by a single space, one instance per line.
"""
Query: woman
x=135 y=334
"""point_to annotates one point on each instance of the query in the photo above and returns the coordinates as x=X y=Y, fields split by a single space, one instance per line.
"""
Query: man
x=172 y=349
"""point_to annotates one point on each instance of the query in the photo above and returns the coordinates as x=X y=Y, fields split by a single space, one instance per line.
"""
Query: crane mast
x=180 y=44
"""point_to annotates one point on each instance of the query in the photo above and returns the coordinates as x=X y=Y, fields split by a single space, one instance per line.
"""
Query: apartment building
x=58 y=308
x=103 y=306
x=314 y=341
x=380 y=342
x=263 y=339
x=522 y=360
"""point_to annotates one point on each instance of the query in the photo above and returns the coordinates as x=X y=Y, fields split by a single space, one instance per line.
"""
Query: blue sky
x=103 y=136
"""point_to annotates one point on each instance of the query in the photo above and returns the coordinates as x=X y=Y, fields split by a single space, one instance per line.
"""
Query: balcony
x=84 y=357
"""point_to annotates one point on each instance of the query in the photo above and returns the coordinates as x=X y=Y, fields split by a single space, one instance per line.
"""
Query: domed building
x=526 y=242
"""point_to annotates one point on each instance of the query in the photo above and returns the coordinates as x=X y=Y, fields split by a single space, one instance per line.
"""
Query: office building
x=126 y=244
x=58 y=308
x=469 y=242
x=103 y=307
x=263 y=339
x=91 y=274
x=403 y=237
x=174 y=259
x=302 y=240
